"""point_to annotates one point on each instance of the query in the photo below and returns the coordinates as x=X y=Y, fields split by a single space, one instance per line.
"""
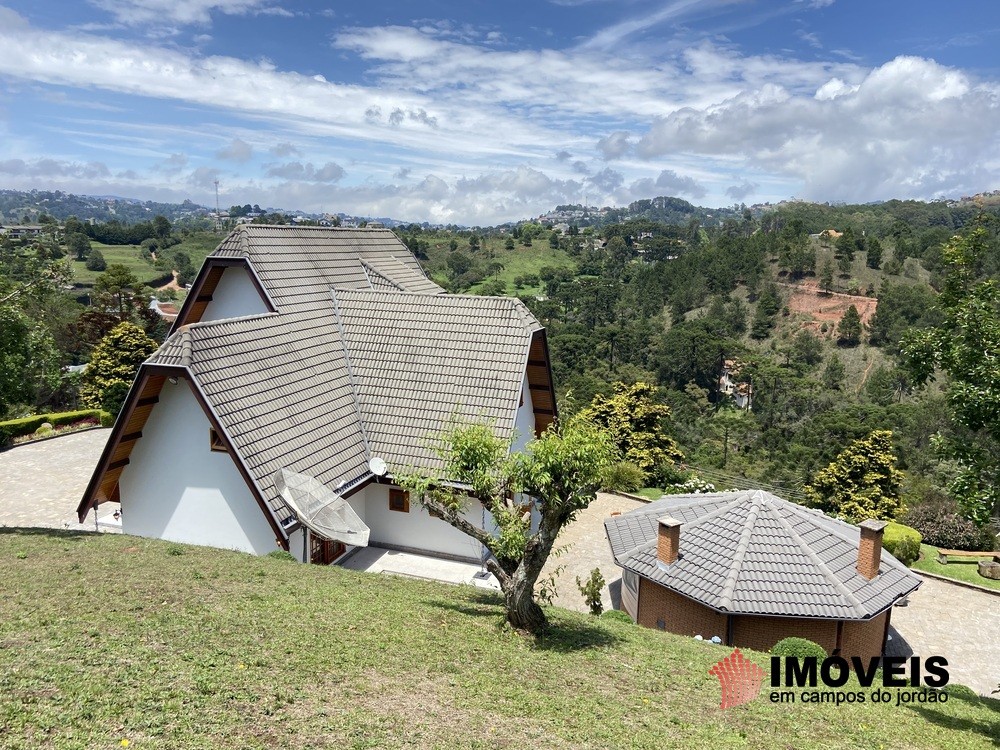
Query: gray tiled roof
x=753 y=553
x=299 y=265
x=279 y=385
x=418 y=360
x=342 y=372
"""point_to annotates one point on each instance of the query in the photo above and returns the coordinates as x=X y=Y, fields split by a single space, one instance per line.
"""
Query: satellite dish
x=320 y=509
x=377 y=466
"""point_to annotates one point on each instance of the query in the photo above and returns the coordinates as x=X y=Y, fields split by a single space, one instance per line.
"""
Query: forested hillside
x=779 y=338
x=807 y=307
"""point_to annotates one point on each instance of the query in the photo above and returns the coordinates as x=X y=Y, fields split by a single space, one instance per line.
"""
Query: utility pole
x=218 y=213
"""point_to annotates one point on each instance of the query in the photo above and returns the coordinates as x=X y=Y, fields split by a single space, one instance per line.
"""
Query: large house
x=327 y=353
x=752 y=569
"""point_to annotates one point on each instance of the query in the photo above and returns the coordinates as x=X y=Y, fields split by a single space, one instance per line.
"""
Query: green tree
x=849 y=328
x=95 y=261
x=15 y=358
x=161 y=226
x=79 y=244
x=562 y=471
x=508 y=243
x=874 y=259
x=113 y=365
x=834 y=373
x=118 y=291
x=862 y=482
x=638 y=426
x=965 y=345
x=826 y=277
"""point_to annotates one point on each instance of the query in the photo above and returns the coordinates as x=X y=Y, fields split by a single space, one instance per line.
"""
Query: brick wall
x=863 y=639
x=761 y=633
x=679 y=614
x=686 y=617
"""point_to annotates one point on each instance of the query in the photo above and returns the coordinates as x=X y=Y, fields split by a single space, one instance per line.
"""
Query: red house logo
x=739 y=678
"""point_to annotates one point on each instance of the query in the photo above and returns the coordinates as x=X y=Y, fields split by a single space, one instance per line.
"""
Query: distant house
x=741 y=393
x=327 y=353
x=22 y=231
x=166 y=310
x=753 y=569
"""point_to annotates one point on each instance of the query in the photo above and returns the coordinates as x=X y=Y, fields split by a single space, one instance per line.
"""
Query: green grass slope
x=107 y=639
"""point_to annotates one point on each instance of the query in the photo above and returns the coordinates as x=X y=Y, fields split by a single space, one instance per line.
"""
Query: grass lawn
x=959 y=568
x=653 y=493
x=126 y=255
x=107 y=638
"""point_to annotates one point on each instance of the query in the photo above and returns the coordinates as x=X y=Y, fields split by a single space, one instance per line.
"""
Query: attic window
x=215 y=441
x=399 y=500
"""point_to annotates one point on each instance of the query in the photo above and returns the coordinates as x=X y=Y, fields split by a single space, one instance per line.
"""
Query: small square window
x=399 y=500
x=215 y=441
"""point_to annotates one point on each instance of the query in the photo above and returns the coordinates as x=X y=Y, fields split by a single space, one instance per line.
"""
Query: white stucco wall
x=235 y=296
x=524 y=422
x=417 y=529
x=176 y=488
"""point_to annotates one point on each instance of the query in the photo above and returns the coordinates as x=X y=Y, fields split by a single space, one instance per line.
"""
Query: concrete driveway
x=41 y=483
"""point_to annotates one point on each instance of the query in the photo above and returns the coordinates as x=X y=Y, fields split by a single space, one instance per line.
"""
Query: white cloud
x=742 y=191
x=136 y=12
x=615 y=145
x=296 y=170
x=238 y=150
x=911 y=127
x=54 y=169
x=284 y=149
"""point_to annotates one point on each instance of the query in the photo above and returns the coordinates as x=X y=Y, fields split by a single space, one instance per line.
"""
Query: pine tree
x=849 y=328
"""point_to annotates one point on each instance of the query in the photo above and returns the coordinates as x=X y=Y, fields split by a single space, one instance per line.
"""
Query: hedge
x=902 y=542
x=798 y=647
x=27 y=425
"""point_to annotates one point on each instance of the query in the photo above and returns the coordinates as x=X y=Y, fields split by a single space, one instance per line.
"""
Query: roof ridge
x=369 y=270
x=351 y=375
x=827 y=573
x=726 y=597
x=237 y=319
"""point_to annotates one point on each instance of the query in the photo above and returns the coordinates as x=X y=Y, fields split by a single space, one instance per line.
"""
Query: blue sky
x=478 y=112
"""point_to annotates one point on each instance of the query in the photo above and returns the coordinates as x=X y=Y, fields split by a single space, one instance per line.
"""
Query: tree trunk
x=523 y=611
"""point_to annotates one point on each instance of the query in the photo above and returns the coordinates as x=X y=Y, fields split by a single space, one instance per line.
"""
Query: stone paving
x=41 y=483
x=958 y=623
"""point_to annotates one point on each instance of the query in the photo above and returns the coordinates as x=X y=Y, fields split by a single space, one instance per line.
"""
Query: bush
x=902 y=542
x=280 y=554
x=95 y=261
x=617 y=614
x=798 y=647
x=941 y=525
x=28 y=425
x=623 y=477
x=591 y=591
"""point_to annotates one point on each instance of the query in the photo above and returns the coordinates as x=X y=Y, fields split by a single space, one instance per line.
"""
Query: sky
x=477 y=112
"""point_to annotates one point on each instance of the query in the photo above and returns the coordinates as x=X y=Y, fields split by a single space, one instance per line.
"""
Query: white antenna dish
x=377 y=466
x=321 y=509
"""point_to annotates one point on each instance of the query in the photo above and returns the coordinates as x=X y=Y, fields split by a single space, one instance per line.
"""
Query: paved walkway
x=960 y=624
x=394 y=562
x=587 y=548
x=42 y=483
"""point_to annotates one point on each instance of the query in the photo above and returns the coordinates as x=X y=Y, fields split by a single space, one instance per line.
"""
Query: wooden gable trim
x=204 y=286
x=540 y=384
x=103 y=485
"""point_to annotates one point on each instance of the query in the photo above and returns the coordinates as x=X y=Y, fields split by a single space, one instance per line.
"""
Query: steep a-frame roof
x=419 y=360
x=294 y=268
x=753 y=553
x=361 y=356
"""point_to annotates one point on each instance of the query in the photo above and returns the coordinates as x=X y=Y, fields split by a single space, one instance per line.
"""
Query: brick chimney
x=668 y=539
x=870 y=547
